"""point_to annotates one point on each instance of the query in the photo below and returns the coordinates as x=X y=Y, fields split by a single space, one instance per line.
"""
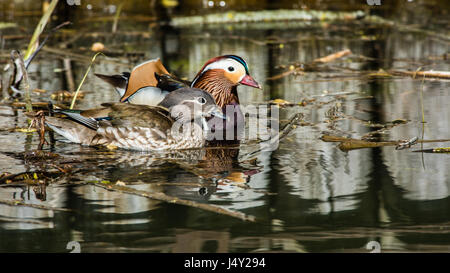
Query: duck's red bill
x=249 y=81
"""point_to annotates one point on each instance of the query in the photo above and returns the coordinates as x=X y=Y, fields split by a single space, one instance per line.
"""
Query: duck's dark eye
x=201 y=100
x=230 y=68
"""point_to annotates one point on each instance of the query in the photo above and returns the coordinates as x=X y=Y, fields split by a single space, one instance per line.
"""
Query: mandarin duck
x=142 y=127
x=149 y=82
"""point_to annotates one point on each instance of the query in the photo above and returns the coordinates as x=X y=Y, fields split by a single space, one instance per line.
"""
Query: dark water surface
x=308 y=195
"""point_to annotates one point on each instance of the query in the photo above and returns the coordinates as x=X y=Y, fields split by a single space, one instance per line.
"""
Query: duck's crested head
x=231 y=67
x=186 y=104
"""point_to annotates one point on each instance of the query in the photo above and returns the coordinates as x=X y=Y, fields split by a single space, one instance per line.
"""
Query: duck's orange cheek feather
x=235 y=77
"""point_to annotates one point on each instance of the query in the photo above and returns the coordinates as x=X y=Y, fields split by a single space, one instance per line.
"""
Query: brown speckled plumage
x=149 y=131
x=142 y=127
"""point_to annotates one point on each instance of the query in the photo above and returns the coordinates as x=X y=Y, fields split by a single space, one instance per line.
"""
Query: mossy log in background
x=266 y=16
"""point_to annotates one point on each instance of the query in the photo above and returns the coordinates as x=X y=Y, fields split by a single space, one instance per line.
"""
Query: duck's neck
x=222 y=89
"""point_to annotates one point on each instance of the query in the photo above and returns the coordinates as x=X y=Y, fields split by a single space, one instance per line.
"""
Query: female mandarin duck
x=142 y=127
x=150 y=82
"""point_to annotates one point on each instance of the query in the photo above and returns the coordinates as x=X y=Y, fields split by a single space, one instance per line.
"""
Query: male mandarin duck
x=149 y=82
x=142 y=127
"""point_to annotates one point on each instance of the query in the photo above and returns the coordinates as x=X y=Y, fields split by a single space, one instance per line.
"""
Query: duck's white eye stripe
x=223 y=64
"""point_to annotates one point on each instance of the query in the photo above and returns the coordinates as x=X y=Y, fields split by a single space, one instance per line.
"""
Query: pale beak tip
x=219 y=114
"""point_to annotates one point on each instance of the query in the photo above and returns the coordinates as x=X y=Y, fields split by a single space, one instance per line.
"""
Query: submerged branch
x=175 y=200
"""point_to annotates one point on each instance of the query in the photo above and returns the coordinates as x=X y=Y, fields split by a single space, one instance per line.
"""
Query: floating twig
x=292 y=70
x=426 y=74
x=299 y=69
x=175 y=200
x=347 y=144
x=333 y=56
x=434 y=150
x=37 y=104
x=406 y=143
x=292 y=124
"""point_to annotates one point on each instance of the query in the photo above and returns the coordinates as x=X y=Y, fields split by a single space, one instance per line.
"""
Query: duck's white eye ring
x=201 y=100
x=230 y=68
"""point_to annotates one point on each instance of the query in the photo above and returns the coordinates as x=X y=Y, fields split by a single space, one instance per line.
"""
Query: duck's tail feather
x=119 y=82
x=71 y=130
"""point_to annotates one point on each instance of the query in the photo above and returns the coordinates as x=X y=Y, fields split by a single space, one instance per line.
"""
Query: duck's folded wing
x=89 y=118
x=136 y=127
x=134 y=115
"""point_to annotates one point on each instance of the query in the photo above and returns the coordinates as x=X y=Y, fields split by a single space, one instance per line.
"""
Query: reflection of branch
x=18 y=59
x=38 y=122
x=79 y=57
x=116 y=17
x=26 y=221
x=175 y=200
x=19 y=203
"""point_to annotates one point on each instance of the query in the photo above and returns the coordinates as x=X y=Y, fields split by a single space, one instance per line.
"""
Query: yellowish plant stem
x=84 y=78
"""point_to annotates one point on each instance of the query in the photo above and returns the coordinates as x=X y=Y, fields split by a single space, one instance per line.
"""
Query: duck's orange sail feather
x=143 y=75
